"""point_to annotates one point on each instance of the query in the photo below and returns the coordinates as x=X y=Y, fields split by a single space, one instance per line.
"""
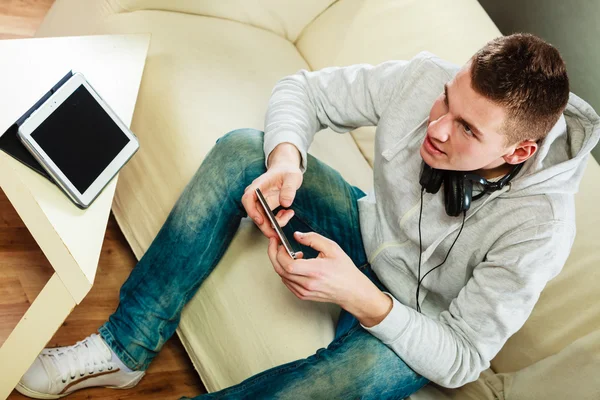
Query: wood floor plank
x=20 y=18
x=16 y=240
x=8 y=217
x=11 y=291
x=32 y=9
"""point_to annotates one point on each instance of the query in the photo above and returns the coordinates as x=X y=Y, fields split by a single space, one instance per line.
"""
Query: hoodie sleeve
x=459 y=344
x=342 y=98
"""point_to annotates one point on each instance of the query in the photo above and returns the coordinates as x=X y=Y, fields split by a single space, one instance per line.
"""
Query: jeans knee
x=236 y=157
x=237 y=149
x=243 y=137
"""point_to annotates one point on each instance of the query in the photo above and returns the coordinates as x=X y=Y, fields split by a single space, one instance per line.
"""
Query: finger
x=284 y=259
x=272 y=198
x=284 y=216
x=250 y=203
x=288 y=189
x=272 y=252
x=253 y=206
x=266 y=226
x=300 y=292
x=280 y=214
x=255 y=211
x=316 y=241
x=305 y=283
x=299 y=271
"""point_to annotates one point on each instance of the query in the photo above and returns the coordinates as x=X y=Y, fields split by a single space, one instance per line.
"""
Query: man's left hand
x=331 y=277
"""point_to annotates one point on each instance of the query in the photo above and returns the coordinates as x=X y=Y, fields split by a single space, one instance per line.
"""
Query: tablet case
x=10 y=143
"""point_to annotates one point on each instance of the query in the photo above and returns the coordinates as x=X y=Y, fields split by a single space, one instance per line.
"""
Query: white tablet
x=78 y=139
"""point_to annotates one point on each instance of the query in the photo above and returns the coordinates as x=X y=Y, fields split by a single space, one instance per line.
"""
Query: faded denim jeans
x=189 y=246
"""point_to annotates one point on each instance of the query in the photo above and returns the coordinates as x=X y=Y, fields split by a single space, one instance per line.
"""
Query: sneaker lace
x=86 y=356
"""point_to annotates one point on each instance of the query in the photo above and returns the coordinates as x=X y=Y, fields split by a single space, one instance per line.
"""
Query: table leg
x=41 y=321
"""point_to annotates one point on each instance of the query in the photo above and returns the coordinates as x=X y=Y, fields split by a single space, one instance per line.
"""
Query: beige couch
x=210 y=69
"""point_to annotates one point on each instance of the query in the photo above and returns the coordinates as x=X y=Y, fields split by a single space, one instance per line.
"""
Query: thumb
x=288 y=191
x=314 y=240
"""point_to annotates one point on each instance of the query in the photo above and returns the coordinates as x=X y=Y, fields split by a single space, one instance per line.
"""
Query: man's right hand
x=278 y=185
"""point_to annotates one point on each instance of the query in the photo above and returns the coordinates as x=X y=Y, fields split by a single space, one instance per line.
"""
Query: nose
x=441 y=128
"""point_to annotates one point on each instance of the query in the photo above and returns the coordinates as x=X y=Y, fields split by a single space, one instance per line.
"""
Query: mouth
x=430 y=147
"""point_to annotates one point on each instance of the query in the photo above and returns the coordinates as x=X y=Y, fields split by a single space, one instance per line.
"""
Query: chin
x=432 y=162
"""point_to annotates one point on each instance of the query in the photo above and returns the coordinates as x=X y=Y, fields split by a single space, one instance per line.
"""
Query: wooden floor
x=24 y=271
x=20 y=18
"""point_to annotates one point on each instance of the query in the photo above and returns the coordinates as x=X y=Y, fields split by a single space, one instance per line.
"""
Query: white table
x=70 y=238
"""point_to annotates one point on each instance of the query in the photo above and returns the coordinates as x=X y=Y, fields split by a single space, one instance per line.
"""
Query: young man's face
x=465 y=128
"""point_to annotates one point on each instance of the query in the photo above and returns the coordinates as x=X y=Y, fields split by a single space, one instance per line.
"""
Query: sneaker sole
x=25 y=391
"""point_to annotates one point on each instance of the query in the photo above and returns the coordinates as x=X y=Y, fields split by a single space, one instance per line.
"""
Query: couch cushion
x=570 y=374
x=360 y=31
x=568 y=308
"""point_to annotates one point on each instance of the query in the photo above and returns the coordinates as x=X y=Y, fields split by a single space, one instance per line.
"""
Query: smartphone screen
x=274 y=223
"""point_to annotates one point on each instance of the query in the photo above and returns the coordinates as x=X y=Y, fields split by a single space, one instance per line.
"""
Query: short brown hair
x=528 y=77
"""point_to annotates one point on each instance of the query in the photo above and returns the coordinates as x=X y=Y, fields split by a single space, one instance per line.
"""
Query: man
x=499 y=117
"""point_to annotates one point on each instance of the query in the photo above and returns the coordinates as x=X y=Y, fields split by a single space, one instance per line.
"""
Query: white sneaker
x=58 y=372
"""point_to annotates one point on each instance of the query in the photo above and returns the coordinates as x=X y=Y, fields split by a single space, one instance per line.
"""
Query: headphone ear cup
x=431 y=178
x=454 y=193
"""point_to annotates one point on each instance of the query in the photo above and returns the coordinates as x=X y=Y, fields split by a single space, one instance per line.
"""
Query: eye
x=468 y=130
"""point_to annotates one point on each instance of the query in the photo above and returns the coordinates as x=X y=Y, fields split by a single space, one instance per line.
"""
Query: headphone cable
x=420 y=251
x=419 y=279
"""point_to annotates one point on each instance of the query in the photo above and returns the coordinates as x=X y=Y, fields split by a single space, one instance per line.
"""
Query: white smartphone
x=78 y=139
x=275 y=225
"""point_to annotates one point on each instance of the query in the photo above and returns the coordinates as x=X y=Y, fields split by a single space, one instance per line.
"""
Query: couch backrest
x=354 y=31
x=283 y=17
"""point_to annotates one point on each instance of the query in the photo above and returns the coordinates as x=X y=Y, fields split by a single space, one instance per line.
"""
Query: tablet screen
x=80 y=138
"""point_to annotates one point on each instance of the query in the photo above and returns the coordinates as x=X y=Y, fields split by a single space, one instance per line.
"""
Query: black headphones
x=458 y=186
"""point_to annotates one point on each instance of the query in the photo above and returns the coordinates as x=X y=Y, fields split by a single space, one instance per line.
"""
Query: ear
x=521 y=152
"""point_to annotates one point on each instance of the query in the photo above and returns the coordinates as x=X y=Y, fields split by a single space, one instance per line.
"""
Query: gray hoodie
x=513 y=242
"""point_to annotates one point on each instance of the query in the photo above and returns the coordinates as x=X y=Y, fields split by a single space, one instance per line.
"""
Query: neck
x=494 y=172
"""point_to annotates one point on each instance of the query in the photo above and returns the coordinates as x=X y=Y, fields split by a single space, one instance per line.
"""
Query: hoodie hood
x=560 y=161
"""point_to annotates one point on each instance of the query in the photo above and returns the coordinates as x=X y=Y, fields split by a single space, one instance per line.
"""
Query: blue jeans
x=189 y=246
